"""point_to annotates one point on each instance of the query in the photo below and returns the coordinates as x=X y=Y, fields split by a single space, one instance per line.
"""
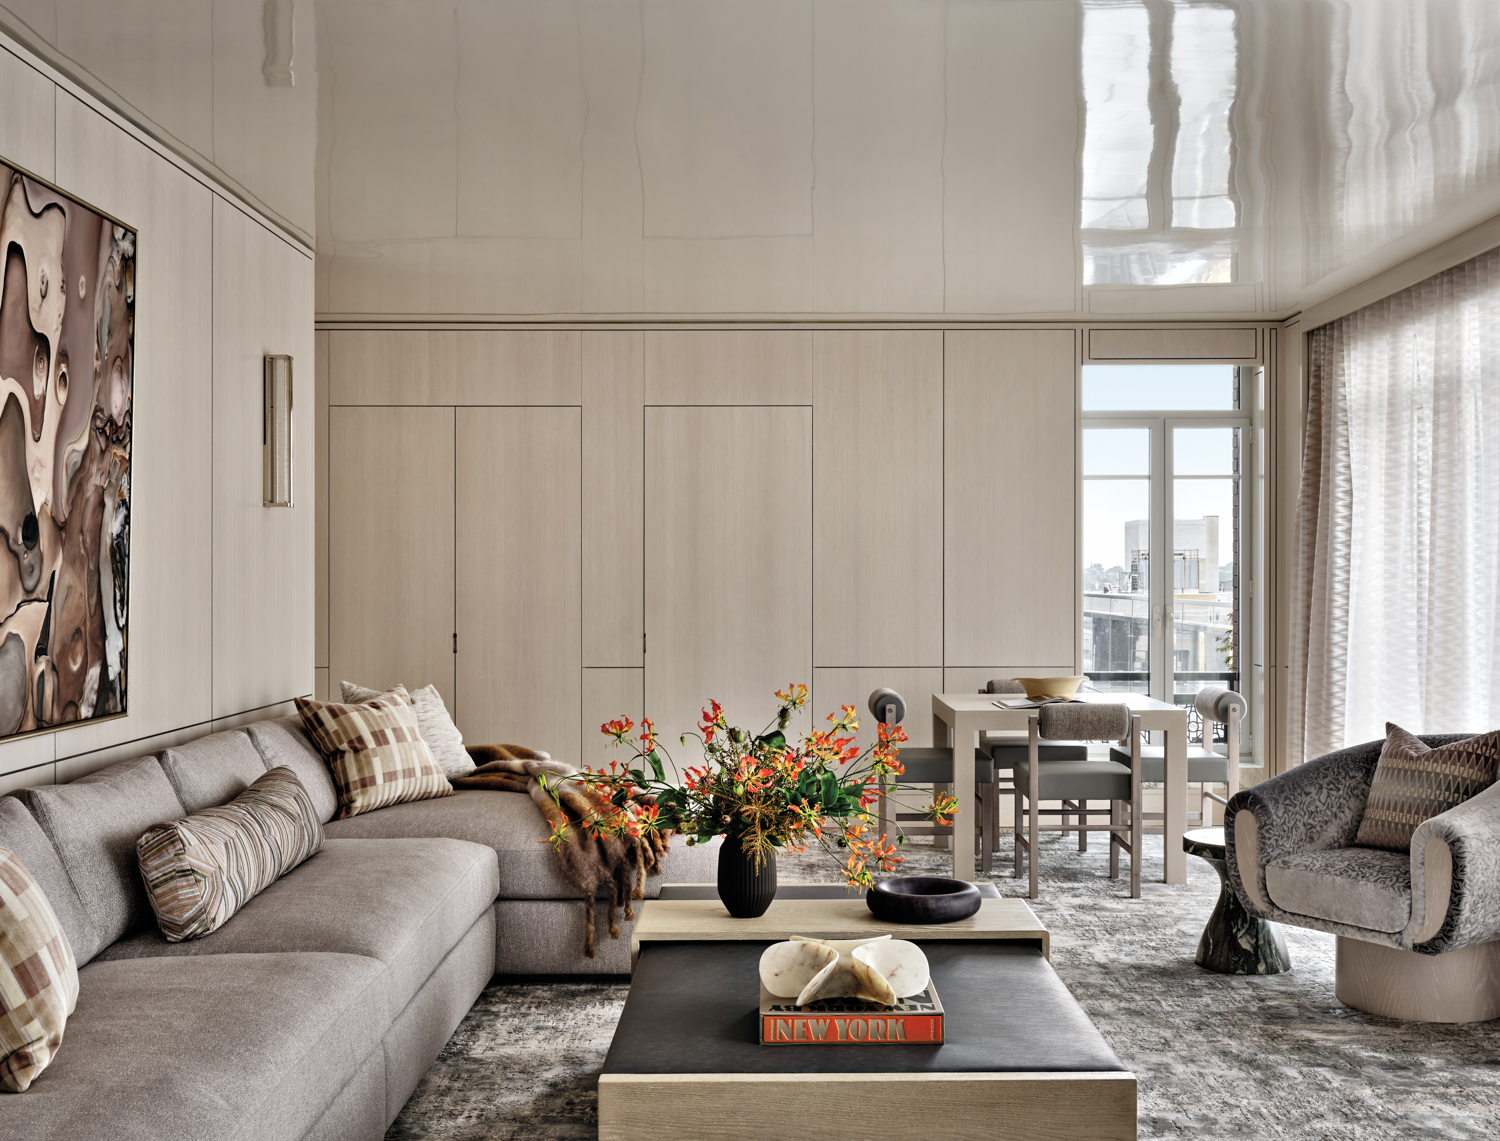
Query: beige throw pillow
x=375 y=751
x=436 y=727
x=203 y=868
x=38 y=977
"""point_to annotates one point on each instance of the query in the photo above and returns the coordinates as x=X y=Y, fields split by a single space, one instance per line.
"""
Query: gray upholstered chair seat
x=1363 y=887
x=1078 y=780
x=1008 y=756
x=1204 y=765
x=405 y=903
x=935 y=766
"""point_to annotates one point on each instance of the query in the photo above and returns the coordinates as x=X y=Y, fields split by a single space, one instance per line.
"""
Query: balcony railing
x=1140 y=682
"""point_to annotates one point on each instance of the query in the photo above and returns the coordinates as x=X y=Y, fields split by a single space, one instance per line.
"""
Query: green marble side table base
x=1234 y=942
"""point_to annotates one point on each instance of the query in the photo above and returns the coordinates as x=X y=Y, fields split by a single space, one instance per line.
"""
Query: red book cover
x=849 y=1022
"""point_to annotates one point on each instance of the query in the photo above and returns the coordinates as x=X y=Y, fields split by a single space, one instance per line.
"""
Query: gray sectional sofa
x=317 y=1008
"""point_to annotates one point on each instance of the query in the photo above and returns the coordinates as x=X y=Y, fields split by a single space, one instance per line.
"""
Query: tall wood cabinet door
x=518 y=525
x=1011 y=497
x=390 y=547
x=728 y=562
x=878 y=487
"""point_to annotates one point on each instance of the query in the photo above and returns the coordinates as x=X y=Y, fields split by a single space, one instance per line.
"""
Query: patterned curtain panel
x=1396 y=608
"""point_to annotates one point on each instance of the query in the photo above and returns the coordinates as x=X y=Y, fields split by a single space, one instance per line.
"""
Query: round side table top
x=1205 y=842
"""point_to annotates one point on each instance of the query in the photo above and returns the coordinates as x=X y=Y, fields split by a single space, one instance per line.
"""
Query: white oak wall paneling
x=729 y=367
x=1011 y=480
x=728 y=562
x=613 y=471
x=320 y=684
x=1238 y=346
x=390 y=533
x=320 y=499
x=446 y=367
x=263 y=556
x=518 y=577
x=878 y=481
x=28 y=126
x=607 y=694
x=1009 y=107
x=171 y=572
x=33 y=777
x=25 y=755
x=836 y=687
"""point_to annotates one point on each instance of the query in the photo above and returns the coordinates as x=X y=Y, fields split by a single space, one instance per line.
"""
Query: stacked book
x=847 y=1021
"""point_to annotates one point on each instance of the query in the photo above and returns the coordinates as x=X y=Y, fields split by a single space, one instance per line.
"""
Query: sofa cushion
x=510 y=823
x=219 y=1047
x=404 y=902
x=93 y=824
x=1363 y=887
x=202 y=869
x=20 y=832
x=284 y=741
x=374 y=750
x=1415 y=782
x=212 y=769
x=434 y=721
x=38 y=977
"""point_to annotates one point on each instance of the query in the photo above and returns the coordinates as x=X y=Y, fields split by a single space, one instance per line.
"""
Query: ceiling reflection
x=1024 y=158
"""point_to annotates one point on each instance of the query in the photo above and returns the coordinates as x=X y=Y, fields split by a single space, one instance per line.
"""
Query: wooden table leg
x=1175 y=793
x=965 y=742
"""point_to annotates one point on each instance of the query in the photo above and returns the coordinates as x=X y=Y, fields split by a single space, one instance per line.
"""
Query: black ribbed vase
x=746 y=890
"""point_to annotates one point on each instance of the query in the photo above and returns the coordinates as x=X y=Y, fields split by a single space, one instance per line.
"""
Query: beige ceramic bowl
x=1064 y=687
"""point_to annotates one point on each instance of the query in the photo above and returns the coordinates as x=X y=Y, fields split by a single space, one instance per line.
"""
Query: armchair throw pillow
x=203 y=868
x=1414 y=782
x=375 y=751
x=38 y=977
x=433 y=722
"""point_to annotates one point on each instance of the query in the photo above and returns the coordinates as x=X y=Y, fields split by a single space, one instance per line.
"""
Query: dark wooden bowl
x=922 y=899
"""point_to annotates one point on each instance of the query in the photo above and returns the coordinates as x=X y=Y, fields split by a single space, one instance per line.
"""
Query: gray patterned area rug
x=1216 y=1056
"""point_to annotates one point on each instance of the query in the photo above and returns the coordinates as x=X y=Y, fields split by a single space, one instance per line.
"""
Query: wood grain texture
x=835 y=687
x=729 y=367
x=1239 y=345
x=707 y=920
x=877 y=472
x=263 y=556
x=171 y=545
x=613 y=501
x=517 y=592
x=1100 y=1106
x=399 y=366
x=320 y=499
x=607 y=694
x=1011 y=569
x=390 y=530
x=1456 y=986
x=28 y=126
x=728 y=562
x=971 y=679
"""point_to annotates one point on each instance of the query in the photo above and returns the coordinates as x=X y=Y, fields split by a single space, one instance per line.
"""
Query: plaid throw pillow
x=202 y=869
x=1414 y=783
x=375 y=751
x=38 y=977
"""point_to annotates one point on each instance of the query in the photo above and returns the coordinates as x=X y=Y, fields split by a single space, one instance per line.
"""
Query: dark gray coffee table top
x=692 y=1009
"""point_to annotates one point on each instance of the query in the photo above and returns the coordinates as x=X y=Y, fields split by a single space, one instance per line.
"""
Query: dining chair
x=1006 y=747
x=934 y=766
x=1205 y=766
x=1079 y=782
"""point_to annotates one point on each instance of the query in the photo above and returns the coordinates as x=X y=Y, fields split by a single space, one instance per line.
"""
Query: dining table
x=960 y=720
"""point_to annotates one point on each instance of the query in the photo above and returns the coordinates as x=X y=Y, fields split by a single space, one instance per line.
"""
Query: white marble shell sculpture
x=872 y=970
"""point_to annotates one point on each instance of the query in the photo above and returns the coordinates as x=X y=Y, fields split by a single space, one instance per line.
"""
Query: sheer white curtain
x=1396 y=609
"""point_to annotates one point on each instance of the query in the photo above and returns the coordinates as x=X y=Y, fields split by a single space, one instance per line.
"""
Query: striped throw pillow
x=1414 y=783
x=375 y=751
x=38 y=977
x=203 y=868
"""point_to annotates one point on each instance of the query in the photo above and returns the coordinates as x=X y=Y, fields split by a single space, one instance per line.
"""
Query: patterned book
x=847 y=1021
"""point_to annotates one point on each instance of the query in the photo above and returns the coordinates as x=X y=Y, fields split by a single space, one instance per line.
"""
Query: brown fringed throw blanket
x=587 y=861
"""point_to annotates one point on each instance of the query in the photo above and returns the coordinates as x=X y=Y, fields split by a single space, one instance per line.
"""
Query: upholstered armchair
x=1418 y=931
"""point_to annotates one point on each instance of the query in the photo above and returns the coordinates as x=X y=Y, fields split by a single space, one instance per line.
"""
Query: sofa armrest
x=1312 y=808
x=1455 y=870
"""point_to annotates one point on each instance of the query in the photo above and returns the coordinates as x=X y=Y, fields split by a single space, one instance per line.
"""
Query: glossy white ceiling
x=926 y=158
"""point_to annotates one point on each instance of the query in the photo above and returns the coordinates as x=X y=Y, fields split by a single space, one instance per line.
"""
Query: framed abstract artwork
x=67 y=363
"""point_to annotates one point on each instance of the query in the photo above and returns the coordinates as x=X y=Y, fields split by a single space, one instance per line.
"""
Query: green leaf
x=830 y=790
x=637 y=776
x=654 y=759
x=775 y=739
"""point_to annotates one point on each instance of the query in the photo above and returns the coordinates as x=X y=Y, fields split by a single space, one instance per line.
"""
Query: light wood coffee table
x=1020 y=1058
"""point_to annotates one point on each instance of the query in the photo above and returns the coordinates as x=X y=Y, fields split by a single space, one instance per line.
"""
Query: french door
x=1166 y=534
